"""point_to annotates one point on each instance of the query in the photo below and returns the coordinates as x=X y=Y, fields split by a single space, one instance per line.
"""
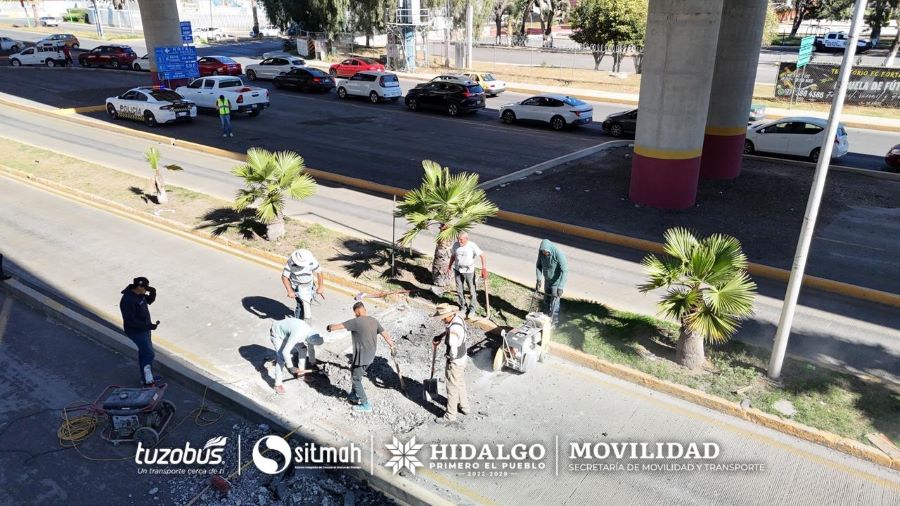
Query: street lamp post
x=815 y=198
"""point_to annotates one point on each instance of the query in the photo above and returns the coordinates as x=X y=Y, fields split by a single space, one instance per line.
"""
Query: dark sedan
x=892 y=158
x=621 y=123
x=305 y=79
x=453 y=98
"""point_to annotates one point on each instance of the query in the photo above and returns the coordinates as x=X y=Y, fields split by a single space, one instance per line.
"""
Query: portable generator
x=135 y=414
x=525 y=345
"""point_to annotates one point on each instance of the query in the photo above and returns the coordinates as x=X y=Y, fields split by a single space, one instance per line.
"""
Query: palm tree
x=707 y=288
x=268 y=177
x=159 y=180
x=451 y=202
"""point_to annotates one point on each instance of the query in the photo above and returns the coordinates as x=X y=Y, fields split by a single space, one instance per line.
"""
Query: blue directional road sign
x=177 y=62
x=806 y=50
x=187 y=34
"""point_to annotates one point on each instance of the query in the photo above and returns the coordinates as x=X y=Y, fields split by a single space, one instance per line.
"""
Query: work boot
x=363 y=408
x=443 y=420
x=463 y=411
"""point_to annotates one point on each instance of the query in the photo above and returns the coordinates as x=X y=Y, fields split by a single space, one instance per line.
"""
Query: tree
x=707 y=289
x=612 y=25
x=451 y=202
x=499 y=9
x=370 y=16
x=329 y=16
x=268 y=177
x=892 y=54
x=550 y=10
x=878 y=14
x=771 y=26
x=159 y=180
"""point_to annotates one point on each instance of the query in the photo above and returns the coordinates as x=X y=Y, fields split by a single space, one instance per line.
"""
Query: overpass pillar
x=680 y=51
x=737 y=57
x=161 y=27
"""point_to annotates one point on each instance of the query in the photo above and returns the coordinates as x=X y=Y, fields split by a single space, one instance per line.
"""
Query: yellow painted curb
x=828 y=439
x=668 y=154
x=765 y=271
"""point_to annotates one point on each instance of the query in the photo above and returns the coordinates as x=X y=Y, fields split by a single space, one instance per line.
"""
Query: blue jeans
x=226 y=123
x=145 y=352
x=551 y=302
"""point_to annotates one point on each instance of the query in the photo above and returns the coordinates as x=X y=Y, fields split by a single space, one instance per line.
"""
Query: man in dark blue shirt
x=137 y=324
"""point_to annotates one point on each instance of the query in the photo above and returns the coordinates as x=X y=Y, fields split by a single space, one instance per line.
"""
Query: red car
x=351 y=66
x=219 y=66
x=892 y=158
x=108 y=56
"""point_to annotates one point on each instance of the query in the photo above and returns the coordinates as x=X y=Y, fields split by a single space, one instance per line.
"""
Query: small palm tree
x=707 y=288
x=159 y=180
x=451 y=202
x=268 y=177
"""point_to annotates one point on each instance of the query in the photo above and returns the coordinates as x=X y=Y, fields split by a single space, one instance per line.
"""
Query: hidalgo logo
x=210 y=454
x=403 y=455
x=275 y=444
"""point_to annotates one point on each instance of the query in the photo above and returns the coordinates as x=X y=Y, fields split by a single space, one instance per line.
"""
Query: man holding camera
x=137 y=324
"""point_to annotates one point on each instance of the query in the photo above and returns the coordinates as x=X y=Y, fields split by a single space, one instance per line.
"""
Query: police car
x=152 y=105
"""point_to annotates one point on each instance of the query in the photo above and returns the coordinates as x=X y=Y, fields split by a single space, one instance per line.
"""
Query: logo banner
x=869 y=86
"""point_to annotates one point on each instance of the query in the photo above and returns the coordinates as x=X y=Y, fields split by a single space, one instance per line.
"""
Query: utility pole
x=448 y=19
x=469 y=15
x=97 y=17
x=27 y=18
x=815 y=198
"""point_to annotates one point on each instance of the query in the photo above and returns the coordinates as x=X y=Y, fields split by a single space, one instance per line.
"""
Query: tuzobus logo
x=276 y=444
x=210 y=454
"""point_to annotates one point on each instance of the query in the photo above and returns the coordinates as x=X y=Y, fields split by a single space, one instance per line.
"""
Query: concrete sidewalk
x=831 y=329
x=214 y=309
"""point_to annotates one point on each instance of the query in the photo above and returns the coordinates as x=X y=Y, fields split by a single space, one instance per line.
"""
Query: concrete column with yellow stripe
x=737 y=56
x=680 y=53
x=162 y=28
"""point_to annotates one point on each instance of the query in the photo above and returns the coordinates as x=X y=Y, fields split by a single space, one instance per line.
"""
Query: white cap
x=302 y=256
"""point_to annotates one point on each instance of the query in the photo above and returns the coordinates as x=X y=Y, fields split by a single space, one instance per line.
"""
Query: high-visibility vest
x=224 y=106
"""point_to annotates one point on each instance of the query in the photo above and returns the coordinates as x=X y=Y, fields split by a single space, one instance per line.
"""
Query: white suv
x=50 y=56
x=375 y=85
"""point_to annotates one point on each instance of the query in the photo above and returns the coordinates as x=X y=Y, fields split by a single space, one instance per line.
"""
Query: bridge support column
x=737 y=58
x=680 y=52
x=161 y=27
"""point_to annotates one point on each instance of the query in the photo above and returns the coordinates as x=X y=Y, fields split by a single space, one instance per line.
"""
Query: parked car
x=152 y=105
x=204 y=92
x=377 y=86
x=59 y=39
x=267 y=31
x=797 y=136
x=837 y=42
x=49 y=21
x=305 y=79
x=114 y=56
x=559 y=111
x=50 y=56
x=8 y=44
x=208 y=33
x=269 y=68
x=451 y=97
x=620 y=123
x=757 y=112
x=353 y=65
x=892 y=158
x=491 y=85
x=142 y=63
x=219 y=66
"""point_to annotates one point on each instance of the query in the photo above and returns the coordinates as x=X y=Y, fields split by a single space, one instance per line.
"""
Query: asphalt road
x=557 y=399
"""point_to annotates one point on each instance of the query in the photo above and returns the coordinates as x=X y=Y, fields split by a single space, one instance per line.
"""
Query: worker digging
x=454 y=336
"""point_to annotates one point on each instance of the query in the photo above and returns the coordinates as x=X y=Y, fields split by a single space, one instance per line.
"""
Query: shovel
x=399 y=373
x=431 y=385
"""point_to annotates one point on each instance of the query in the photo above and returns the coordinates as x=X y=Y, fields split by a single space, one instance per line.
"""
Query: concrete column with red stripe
x=737 y=57
x=162 y=28
x=679 y=56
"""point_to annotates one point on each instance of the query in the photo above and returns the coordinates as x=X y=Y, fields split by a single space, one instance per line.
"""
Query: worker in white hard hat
x=302 y=277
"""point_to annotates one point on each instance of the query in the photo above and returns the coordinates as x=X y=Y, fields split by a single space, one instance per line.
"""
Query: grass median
x=823 y=398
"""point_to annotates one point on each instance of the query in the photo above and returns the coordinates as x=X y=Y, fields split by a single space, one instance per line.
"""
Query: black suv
x=446 y=96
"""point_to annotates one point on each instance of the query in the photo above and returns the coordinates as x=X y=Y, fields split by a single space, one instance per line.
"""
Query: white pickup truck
x=204 y=92
x=837 y=41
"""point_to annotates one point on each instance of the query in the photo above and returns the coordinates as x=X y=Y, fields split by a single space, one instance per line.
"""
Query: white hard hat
x=302 y=256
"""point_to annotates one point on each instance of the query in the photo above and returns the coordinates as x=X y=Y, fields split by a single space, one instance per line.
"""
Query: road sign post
x=187 y=34
x=803 y=57
x=176 y=62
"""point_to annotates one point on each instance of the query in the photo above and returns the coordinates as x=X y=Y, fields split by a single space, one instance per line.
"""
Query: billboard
x=869 y=86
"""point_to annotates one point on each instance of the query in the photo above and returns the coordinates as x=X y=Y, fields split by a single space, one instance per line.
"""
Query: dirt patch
x=763 y=207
